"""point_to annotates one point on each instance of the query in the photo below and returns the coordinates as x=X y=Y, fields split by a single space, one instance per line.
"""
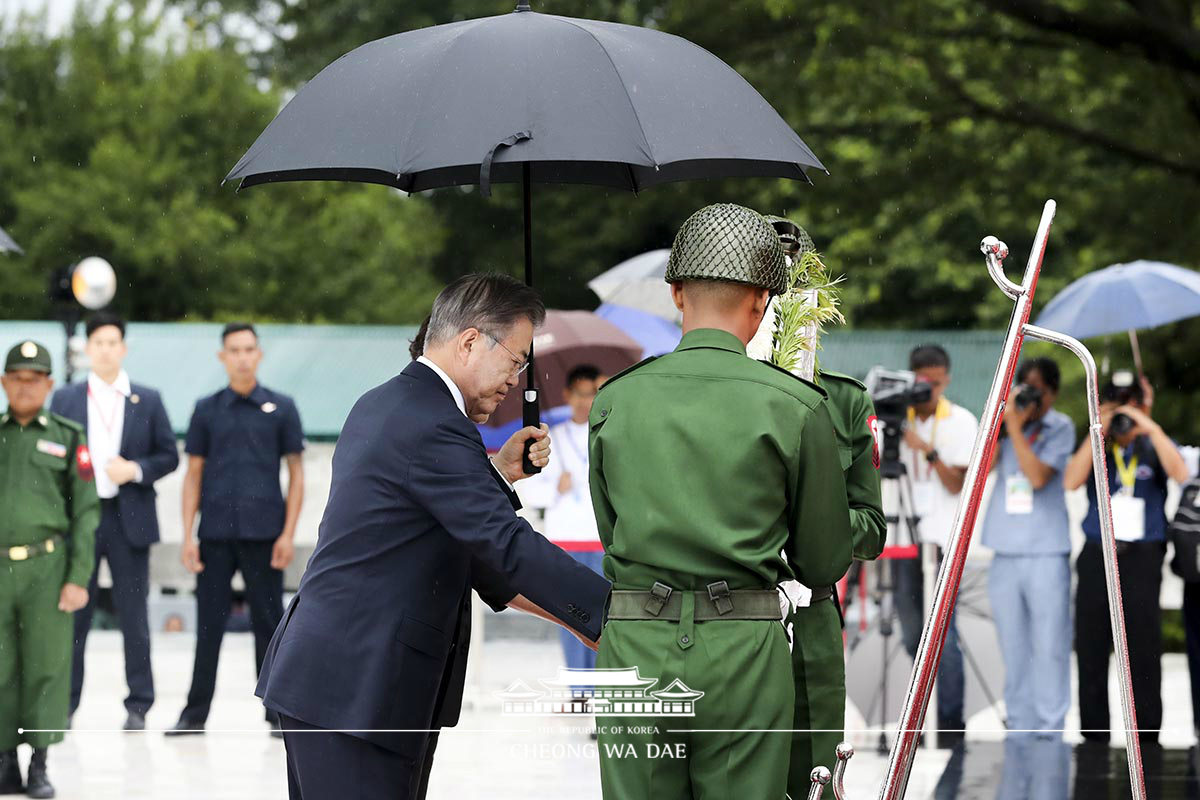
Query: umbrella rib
x=620 y=80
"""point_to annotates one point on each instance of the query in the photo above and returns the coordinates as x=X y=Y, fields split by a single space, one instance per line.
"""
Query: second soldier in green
x=818 y=654
x=49 y=511
x=712 y=481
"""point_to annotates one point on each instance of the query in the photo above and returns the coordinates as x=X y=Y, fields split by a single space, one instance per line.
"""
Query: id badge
x=1129 y=517
x=1018 y=495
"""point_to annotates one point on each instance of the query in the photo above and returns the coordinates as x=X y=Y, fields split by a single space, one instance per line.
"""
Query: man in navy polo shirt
x=234 y=444
x=1141 y=459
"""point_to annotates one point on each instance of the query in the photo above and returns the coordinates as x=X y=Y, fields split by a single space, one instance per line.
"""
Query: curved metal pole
x=820 y=778
x=933 y=637
x=844 y=753
x=1108 y=542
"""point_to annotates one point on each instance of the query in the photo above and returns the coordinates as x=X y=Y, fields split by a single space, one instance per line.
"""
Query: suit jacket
x=147 y=438
x=376 y=636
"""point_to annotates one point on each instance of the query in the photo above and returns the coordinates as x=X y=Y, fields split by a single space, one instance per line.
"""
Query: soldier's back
x=697 y=454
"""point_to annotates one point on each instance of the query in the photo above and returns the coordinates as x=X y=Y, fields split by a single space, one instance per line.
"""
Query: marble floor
x=488 y=756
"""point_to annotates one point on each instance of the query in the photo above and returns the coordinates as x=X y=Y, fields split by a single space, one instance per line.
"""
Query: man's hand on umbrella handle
x=508 y=459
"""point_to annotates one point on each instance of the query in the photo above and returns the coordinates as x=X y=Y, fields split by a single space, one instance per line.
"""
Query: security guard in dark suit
x=48 y=515
x=235 y=442
x=133 y=446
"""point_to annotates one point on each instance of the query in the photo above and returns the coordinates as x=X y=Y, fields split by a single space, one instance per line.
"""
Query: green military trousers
x=35 y=650
x=743 y=669
x=819 y=666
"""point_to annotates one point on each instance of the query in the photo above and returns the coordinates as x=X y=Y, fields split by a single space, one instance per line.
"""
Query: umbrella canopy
x=568 y=339
x=578 y=100
x=639 y=283
x=7 y=245
x=654 y=334
x=1124 y=297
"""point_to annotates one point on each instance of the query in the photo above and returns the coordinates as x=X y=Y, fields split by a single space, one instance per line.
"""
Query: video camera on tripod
x=894 y=392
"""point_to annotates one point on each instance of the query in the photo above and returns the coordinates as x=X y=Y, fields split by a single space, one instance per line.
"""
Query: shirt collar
x=41 y=419
x=455 y=392
x=711 y=339
x=258 y=395
x=943 y=410
x=120 y=385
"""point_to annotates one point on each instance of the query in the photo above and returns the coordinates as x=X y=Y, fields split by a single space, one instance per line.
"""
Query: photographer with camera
x=936 y=450
x=1141 y=458
x=1029 y=581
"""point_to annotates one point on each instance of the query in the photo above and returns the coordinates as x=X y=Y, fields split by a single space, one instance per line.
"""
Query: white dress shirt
x=459 y=401
x=105 y=426
x=951 y=430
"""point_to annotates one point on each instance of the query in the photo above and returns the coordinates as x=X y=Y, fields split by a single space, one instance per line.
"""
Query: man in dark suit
x=375 y=641
x=132 y=446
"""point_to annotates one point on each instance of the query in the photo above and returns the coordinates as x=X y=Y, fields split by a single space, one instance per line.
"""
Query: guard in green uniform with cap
x=49 y=511
x=818 y=655
x=713 y=479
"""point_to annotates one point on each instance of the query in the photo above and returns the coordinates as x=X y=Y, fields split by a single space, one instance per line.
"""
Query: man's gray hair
x=490 y=302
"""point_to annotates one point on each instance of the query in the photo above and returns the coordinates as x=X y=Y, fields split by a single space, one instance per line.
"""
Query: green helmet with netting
x=796 y=241
x=727 y=242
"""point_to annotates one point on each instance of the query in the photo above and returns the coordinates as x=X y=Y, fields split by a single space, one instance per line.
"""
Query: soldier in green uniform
x=712 y=482
x=49 y=511
x=818 y=658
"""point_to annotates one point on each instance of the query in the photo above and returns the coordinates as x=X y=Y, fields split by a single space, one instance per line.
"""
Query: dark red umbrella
x=568 y=339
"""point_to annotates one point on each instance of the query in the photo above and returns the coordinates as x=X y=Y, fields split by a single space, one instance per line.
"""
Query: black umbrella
x=526 y=97
x=8 y=245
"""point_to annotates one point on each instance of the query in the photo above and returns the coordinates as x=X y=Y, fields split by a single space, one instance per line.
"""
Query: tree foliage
x=115 y=138
x=940 y=121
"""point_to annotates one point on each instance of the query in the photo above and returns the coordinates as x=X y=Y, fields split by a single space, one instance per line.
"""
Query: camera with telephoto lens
x=1121 y=424
x=1027 y=396
x=894 y=392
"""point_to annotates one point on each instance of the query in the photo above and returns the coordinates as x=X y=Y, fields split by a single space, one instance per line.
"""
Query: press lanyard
x=109 y=421
x=1037 y=431
x=1127 y=474
x=932 y=443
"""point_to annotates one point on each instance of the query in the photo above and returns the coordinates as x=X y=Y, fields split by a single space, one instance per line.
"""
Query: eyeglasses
x=519 y=365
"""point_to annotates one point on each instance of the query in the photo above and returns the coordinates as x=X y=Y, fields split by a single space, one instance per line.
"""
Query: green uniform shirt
x=706 y=464
x=46 y=488
x=853 y=417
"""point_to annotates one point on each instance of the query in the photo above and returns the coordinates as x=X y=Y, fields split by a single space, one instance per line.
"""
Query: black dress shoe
x=135 y=722
x=186 y=728
x=38 y=785
x=10 y=773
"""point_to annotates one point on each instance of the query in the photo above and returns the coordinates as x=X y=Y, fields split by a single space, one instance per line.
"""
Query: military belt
x=716 y=602
x=25 y=552
x=821 y=593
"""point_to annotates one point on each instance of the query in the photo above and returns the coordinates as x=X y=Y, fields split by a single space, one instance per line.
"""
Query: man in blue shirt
x=235 y=442
x=1141 y=459
x=1029 y=582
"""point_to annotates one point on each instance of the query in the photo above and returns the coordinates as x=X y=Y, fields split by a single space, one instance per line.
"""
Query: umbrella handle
x=530 y=417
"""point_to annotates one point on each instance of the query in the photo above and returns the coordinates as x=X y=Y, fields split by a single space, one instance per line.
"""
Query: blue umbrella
x=1124 y=297
x=7 y=244
x=655 y=334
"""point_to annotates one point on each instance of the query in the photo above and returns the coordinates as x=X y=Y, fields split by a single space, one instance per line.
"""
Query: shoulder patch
x=837 y=376
x=67 y=423
x=816 y=388
x=625 y=372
